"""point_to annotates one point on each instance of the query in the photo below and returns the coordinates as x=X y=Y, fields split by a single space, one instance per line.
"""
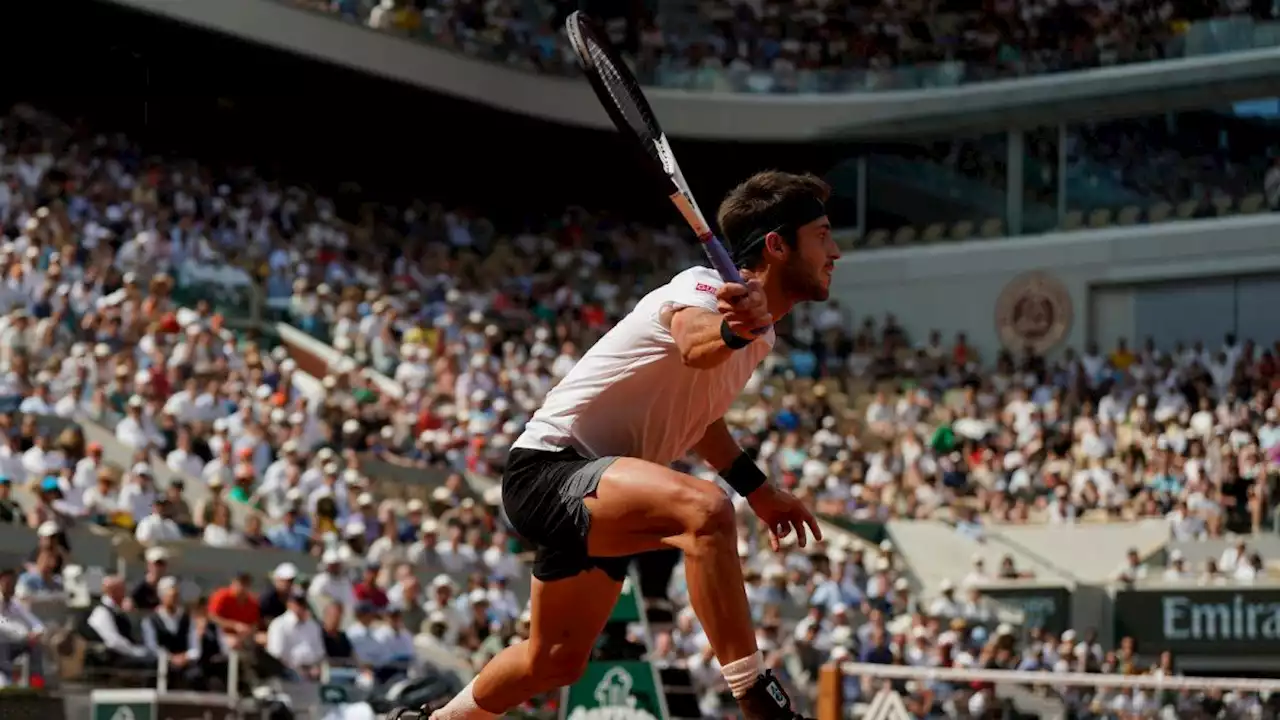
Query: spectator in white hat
x=135 y=431
x=945 y=605
x=296 y=639
x=424 y=552
x=138 y=493
x=274 y=601
x=146 y=594
x=1177 y=570
x=442 y=603
x=331 y=584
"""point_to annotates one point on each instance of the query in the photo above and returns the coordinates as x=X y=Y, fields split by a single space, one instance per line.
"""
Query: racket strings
x=623 y=92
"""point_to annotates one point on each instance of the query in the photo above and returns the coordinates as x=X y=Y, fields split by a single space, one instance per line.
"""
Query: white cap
x=946 y=585
x=430 y=526
x=1004 y=629
x=886 y=545
x=156 y=554
x=289 y=446
x=48 y=528
x=285 y=571
x=442 y=581
x=354 y=528
x=1068 y=636
x=351 y=426
x=478 y=596
x=330 y=557
x=365 y=499
x=414 y=505
x=1175 y=556
x=166 y=583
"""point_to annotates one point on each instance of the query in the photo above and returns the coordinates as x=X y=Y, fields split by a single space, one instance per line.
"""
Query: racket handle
x=725 y=265
x=720 y=260
x=408 y=714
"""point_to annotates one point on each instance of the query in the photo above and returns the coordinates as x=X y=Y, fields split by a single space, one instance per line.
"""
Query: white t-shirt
x=632 y=395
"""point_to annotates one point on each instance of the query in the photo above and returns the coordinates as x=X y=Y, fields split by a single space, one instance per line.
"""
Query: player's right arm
x=707 y=338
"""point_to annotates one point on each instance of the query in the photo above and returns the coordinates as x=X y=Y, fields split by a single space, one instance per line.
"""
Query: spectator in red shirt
x=367 y=590
x=235 y=609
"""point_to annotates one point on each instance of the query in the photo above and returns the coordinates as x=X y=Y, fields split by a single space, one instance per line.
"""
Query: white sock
x=463 y=707
x=742 y=674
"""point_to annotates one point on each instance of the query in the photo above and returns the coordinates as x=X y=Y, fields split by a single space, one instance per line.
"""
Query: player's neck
x=779 y=302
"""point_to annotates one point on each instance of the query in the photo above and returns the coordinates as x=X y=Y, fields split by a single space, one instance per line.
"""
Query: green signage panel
x=615 y=690
x=123 y=711
x=628 y=608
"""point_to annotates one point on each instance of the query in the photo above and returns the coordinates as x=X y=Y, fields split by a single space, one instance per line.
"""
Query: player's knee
x=557 y=664
x=711 y=517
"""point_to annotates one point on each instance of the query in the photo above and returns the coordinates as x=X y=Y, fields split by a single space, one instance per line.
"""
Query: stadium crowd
x=474 y=328
x=801 y=46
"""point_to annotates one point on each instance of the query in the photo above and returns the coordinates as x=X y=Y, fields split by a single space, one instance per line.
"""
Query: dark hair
x=763 y=200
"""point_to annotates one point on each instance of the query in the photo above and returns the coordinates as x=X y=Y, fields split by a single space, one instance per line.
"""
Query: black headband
x=784 y=219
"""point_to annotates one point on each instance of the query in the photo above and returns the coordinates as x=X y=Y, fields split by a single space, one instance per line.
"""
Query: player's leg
x=639 y=506
x=572 y=597
x=588 y=514
x=566 y=617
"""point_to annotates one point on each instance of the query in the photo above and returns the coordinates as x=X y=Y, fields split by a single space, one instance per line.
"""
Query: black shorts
x=542 y=493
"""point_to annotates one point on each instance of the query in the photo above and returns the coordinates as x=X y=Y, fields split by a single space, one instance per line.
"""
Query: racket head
x=619 y=92
x=623 y=99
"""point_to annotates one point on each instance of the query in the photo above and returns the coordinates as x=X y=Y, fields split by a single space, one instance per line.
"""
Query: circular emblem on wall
x=1034 y=310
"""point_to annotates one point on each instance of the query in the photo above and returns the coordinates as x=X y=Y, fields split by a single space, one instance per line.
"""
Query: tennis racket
x=620 y=93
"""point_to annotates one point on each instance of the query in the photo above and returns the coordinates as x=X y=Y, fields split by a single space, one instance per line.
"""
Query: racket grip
x=408 y=714
x=725 y=265
x=720 y=260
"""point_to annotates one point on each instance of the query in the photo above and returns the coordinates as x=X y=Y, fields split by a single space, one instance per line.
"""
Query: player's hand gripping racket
x=622 y=98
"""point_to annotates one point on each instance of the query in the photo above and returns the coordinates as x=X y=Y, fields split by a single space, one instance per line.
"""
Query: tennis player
x=589 y=482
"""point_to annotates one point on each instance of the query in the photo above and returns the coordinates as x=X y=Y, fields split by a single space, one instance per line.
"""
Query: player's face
x=810 y=263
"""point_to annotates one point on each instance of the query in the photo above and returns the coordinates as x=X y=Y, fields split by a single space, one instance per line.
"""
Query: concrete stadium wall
x=956 y=287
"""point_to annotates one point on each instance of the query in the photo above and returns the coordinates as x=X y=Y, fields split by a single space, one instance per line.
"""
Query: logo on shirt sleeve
x=703 y=287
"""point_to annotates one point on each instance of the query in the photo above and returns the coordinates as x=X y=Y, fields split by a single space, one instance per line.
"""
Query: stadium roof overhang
x=1133 y=90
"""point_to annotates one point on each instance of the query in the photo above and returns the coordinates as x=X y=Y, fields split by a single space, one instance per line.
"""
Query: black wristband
x=744 y=476
x=732 y=340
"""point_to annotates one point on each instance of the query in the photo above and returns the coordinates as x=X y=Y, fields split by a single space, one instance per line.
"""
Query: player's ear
x=774 y=243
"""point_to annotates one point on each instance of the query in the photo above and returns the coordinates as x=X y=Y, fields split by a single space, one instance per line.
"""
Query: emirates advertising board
x=1228 y=621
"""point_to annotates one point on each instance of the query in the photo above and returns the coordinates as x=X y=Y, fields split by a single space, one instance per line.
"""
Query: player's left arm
x=717 y=446
x=780 y=510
